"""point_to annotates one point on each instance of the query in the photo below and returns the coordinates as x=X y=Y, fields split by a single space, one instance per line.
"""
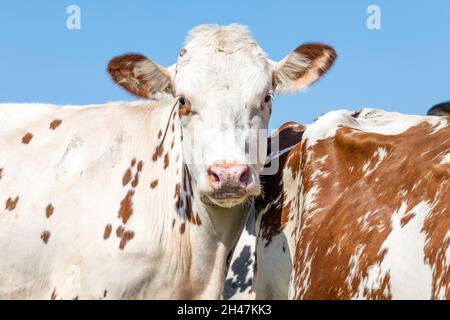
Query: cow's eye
x=184 y=106
x=266 y=100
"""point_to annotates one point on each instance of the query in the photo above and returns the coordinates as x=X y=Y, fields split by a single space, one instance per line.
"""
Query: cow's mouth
x=224 y=199
x=227 y=195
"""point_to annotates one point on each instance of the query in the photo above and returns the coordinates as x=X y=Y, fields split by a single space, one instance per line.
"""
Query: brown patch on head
x=126 y=237
x=49 y=210
x=55 y=124
x=139 y=75
x=158 y=152
x=166 y=161
x=27 y=138
x=304 y=66
x=126 y=207
x=11 y=204
x=107 y=231
x=154 y=184
x=182 y=228
x=53 y=296
x=126 y=177
x=45 y=235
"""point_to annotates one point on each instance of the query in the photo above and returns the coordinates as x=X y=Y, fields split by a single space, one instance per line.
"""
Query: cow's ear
x=139 y=75
x=302 y=67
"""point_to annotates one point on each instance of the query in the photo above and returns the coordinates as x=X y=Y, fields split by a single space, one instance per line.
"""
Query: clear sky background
x=403 y=67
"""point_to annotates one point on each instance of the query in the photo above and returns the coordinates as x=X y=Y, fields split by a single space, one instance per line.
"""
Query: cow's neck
x=213 y=232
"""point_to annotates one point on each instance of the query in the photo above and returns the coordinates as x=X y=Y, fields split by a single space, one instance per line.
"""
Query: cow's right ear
x=139 y=75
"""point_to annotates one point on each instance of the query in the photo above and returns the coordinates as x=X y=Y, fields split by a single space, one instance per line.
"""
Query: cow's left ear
x=302 y=67
x=139 y=75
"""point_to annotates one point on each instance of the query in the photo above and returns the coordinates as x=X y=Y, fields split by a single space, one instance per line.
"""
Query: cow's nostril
x=245 y=176
x=215 y=177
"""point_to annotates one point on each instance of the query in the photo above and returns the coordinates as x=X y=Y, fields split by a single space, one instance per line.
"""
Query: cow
x=239 y=281
x=146 y=199
x=441 y=109
x=358 y=210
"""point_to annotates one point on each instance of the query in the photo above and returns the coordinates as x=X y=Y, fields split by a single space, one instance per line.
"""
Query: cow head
x=223 y=85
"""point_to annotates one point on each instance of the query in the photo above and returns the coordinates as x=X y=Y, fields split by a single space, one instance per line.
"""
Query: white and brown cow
x=360 y=210
x=145 y=199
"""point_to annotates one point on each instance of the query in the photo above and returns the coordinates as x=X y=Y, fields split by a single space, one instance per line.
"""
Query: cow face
x=223 y=86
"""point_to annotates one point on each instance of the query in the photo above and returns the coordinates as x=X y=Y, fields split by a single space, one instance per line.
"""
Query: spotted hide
x=360 y=210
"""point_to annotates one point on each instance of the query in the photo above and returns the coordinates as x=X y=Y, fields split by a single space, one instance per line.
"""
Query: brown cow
x=359 y=210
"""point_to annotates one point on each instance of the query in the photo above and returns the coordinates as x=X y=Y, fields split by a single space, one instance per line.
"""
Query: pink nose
x=229 y=176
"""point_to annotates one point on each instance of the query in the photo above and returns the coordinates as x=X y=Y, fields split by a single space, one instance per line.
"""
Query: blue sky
x=403 y=67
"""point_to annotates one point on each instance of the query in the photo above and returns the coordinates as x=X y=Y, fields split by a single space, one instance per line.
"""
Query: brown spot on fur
x=158 y=152
x=126 y=177
x=11 y=204
x=49 y=210
x=182 y=228
x=1 y=173
x=126 y=237
x=173 y=223
x=177 y=191
x=154 y=184
x=55 y=124
x=53 y=296
x=135 y=181
x=105 y=293
x=133 y=162
x=45 y=235
x=172 y=144
x=197 y=220
x=107 y=231
x=126 y=207
x=166 y=161
x=119 y=231
x=27 y=138
x=404 y=220
x=159 y=134
x=140 y=165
